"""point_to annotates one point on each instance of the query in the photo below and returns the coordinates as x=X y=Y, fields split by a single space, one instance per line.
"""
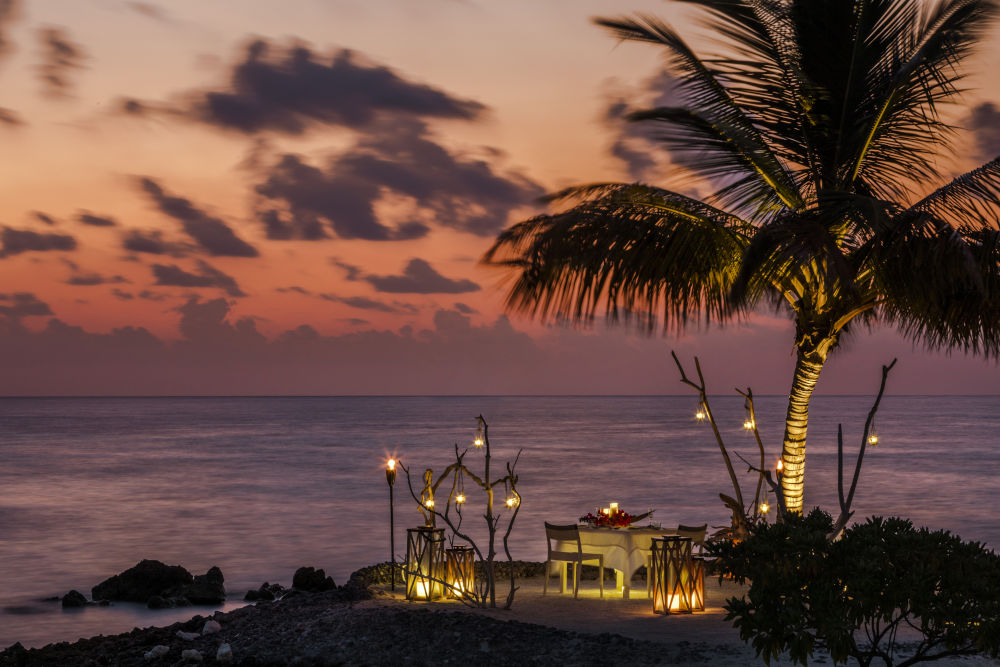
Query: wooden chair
x=697 y=535
x=570 y=533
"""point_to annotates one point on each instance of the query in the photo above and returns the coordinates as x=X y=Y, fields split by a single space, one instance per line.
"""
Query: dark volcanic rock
x=206 y=588
x=74 y=599
x=139 y=583
x=266 y=592
x=313 y=581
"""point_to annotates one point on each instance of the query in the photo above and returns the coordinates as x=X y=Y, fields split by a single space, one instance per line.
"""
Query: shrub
x=853 y=596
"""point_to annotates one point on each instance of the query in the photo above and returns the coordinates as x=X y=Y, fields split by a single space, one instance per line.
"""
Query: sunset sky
x=259 y=197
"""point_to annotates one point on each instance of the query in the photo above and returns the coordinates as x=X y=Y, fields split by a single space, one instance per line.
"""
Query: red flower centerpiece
x=608 y=519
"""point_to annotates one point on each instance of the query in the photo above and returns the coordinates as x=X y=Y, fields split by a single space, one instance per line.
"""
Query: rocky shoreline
x=339 y=626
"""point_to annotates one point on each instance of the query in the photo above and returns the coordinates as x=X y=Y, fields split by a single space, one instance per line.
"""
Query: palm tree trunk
x=793 y=451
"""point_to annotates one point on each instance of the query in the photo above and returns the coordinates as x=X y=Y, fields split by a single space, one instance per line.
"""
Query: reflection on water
x=261 y=486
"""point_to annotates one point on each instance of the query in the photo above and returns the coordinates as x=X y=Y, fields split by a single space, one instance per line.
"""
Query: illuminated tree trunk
x=793 y=451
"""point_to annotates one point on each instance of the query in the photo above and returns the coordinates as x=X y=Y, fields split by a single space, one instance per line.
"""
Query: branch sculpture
x=744 y=517
x=484 y=591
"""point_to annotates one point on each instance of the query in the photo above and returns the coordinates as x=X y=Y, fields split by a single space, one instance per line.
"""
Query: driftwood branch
x=845 y=502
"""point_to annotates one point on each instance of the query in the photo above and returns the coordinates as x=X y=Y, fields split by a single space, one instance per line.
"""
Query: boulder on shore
x=206 y=588
x=74 y=599
x=312 y=581
x=162 y=586
x=139 y=583
x=267 y=592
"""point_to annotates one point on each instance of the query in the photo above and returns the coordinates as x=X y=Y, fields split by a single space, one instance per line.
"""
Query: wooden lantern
x=424 y=563
x=460 y=571
x=678 y=577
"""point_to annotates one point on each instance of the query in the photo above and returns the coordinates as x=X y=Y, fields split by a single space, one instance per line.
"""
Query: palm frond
x=711 y=106
x=633 y=250
x=970 y=200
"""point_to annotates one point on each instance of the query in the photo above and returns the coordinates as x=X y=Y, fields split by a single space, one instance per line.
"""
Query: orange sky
x=476 y=109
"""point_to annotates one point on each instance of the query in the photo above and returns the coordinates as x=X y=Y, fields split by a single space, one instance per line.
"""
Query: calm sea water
x=261 y=486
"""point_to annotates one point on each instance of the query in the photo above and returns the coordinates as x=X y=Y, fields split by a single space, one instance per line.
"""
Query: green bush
x=853 y=596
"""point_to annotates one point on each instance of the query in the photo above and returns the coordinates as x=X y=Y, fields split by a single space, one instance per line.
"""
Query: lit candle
x=781 y=466
x=614 y=509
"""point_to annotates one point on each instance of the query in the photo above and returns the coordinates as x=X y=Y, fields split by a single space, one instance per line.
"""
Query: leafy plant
x=855 y=596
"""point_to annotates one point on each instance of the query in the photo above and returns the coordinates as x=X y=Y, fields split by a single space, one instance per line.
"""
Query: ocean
x=262 y=486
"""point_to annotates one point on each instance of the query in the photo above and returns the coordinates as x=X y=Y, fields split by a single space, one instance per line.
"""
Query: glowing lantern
x=460 y=571
x=480 y=438
x=678 y=578
x=872 y=436
x=613 y=510
x=425 y=563
x=511 y=501
x=764 y=507
x=460 y=498
x=700 y=413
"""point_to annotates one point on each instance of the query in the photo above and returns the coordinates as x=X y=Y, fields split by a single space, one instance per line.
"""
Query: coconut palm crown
x=818 y=123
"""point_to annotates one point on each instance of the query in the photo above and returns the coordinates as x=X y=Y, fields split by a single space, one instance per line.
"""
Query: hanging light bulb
x=748 y=421
x=872 y=438
x=460 y=498
x=511 y=501
x=430 y=503
x=764 y=507
x=700 y=413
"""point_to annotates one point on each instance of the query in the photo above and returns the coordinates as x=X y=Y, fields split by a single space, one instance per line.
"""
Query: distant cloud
x=17 y=241
x=360 y=302
x=151 y=242
x=9 y=12
x=209 y=276
x=209 y=232
x=634 y=143
x=45 y=217
x=984 y=121
x=287 y=90
x=88 y=218
x=121 y=294
x=150 y=11
x=302 y=201
x=465 y=309
x=87 y=279
x=22 y=304
x=353 y=273
x=60 y=56
x=419 y=277
x=10 y=118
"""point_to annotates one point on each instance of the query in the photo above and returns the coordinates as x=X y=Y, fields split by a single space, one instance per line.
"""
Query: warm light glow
x=764 y=507
x=390 y=464
x=781 y=466
x=511 y=501
x=480 y=438
x=614 y=508
x=606 y=511
x=873 y=439
x=430 y=503
x=460 y=498
x=748 y=424
x=700 y=415
x=421 y=589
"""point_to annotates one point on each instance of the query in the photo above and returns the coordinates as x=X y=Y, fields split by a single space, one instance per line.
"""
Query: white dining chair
x=570 y=534
x=697 y=535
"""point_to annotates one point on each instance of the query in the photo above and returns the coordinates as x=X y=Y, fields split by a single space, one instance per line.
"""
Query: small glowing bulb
x=511 y=501
x=873 y=439
x=781 y=466
x=460 y=498
x=700 y=415
x=764 y=507
x=430 y=503
x=391 y=464
x=748 y=424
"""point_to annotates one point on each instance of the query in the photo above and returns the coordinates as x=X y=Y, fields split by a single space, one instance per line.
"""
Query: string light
x=764 y=507
x=460 y=498
x=480 y=438
x=700 y=413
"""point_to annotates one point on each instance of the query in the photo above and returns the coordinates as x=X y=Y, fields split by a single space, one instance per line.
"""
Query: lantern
x=872 y=436
x=748 y=421
x=678 y=578
x=480 y=438
x=460 y=571
x=700 y=412
x=425 y=563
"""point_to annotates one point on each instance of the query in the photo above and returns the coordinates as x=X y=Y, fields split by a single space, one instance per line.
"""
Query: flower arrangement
x=617 y=519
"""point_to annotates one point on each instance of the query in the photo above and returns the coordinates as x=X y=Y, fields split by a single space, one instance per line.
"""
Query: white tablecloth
x=624 y=549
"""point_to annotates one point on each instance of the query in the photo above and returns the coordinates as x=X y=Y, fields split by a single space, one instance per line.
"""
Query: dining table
x=625 y=549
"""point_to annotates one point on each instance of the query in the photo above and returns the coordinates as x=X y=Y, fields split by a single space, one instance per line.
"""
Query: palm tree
x=818 y=124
